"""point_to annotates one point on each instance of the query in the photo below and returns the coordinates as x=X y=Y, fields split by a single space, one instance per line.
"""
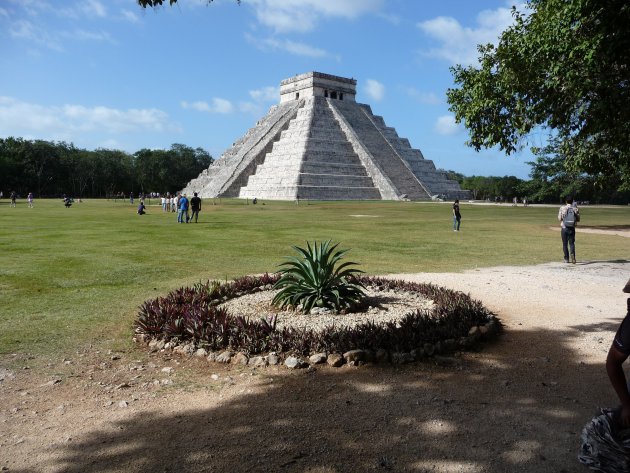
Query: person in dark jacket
x=195 y=207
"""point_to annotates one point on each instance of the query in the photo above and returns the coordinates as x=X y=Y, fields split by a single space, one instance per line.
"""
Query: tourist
x=619 y=351
x=457 y=216
x=174 y=201
x=141 y=208
x=131 y=198
x=29 y=199
x=13 y=198
x=182 y=205
x=163 y=201
x=569 y=216
x=195 y=207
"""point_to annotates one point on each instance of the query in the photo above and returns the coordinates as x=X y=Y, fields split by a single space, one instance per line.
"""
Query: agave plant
x=318 y=279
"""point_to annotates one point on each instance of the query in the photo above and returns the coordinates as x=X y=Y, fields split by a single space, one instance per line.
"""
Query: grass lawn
x=74 y=277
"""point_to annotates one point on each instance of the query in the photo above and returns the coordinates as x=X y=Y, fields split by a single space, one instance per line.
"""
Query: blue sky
x=110 y=74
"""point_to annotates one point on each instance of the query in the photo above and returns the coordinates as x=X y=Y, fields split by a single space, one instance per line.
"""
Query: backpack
x=570 y=218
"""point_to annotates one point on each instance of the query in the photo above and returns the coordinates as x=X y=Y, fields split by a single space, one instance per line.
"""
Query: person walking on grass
x=29 y=199
x=569 y=216
x=195 y=207
x=13 y=198
x=457 y=216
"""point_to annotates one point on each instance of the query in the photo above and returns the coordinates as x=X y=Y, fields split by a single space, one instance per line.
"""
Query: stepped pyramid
x=319 y=143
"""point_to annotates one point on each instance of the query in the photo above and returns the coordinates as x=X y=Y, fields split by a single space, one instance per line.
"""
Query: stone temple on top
x=318 y=143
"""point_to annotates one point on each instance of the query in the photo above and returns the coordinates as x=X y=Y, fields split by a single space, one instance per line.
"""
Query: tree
x=563 y=68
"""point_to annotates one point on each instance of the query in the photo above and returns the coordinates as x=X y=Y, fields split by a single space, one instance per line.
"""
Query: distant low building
x=318 y=143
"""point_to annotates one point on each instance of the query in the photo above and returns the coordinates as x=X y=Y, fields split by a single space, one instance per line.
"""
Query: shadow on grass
x=501 y=410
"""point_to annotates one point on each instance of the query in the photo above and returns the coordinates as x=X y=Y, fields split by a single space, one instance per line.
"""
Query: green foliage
x=55 y=168
x=563 y=67
x=317 y=280
x=493 y=187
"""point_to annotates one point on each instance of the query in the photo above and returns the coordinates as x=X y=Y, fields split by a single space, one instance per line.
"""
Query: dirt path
x=518 y=405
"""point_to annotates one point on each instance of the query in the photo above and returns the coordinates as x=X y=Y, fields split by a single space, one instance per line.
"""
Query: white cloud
x=428 y=98
x=92 y=8
x=445 y=125
x=130 y=16
x=19 y=118
x=303 y=15
x=374 y=90
x=291 y=47
x=83 y=35
x=458 y=43
x=218 y=105
x=266 y=94
x=26 y=30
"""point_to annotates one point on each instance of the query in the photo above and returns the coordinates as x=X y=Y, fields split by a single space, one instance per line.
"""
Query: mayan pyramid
x=318 y=143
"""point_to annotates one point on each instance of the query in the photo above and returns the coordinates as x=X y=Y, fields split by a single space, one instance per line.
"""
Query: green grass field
x=74 y=277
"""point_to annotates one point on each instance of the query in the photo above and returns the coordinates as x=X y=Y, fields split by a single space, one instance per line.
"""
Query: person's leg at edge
x=571 y=241
x=565 y=250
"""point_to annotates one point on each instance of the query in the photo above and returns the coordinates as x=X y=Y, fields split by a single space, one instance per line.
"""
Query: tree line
x=51 y=169
x=550 y=182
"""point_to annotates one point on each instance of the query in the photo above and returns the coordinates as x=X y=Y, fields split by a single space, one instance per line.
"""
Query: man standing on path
x=569 y=216
x=195 y=206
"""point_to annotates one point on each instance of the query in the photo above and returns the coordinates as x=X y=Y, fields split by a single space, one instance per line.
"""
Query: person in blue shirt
x=183 y=210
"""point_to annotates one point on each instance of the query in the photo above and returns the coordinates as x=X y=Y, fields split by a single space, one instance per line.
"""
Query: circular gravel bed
x=381 y=306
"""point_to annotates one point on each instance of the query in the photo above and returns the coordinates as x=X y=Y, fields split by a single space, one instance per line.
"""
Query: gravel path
x=517 y=405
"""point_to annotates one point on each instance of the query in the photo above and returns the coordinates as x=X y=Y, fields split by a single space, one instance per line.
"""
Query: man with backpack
x=569 y=216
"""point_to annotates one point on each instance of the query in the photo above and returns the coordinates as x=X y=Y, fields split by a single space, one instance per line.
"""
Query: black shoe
x=566 y=260
x=573 y=259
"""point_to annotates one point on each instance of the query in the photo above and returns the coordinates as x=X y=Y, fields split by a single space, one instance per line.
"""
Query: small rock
x=240 y=359
x=258 y=361
x=167 y=369
x=212 y=357
x=122 y=386
x=294 y=363
x=273 y=359
x=115 y=357
x=123 y=404
x=214 y=377
x=335 y=360
x=354 y=355
x=224 y=357
x=201 y=353
x=317 y=358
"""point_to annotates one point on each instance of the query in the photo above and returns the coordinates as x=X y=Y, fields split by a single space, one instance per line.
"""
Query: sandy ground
x=519 y=404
